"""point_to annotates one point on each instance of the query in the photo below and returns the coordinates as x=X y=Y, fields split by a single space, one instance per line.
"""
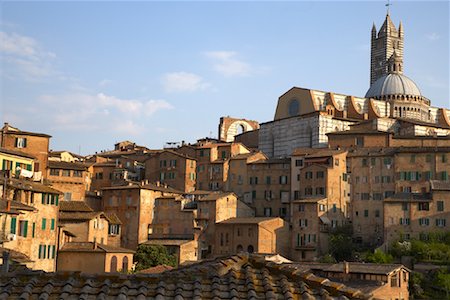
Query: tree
x=443 y=279
x=379 y=257
x=148 y=256
x=341 y=245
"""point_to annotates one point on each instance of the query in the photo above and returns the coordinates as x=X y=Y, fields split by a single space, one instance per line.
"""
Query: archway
x=239 y=248
x=250 y=249
x=113 y=267
x=125 y=264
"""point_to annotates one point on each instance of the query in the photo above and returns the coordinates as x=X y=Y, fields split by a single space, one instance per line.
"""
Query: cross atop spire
x=388 y=4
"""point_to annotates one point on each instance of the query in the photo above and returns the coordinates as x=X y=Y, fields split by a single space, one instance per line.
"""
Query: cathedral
x=393 y=103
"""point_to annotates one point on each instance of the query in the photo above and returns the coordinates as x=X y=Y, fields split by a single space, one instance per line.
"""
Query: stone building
x=93 y=258
x=321 y=203
x=71 y=178
x=268 y=187
x=134 y=204
x=172 y=168
x=230 y=127
x=417 y=215
x=256 y=234
x=304 y=117
x=35 y=144
x=29 y=221
x=17 y=163
x=212 y=209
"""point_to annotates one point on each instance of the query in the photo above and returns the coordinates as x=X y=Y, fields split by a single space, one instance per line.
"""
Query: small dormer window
x=21 y=142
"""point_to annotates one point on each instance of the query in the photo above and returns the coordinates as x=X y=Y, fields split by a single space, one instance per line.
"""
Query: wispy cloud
x=26 y=56
x=183 y=82
x=108 y=112
x=105 y=82
x=228 y=64
x=433 y=36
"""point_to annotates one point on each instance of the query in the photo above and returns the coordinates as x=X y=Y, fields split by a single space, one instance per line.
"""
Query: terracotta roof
x=286 y=160
x=365 y=268
x=371 y=152
x=16 y=131
x=316 y=152
x=167 y=242
x=409 y=197
x=74 y=206
x=28 y=185
x=251 y=220
x=66 y=165
x=112 y=218
x=440 y=185
x=149 y=186
x=237 y=277
x=78 y=216
x=58 y=153
x=359 y=131
x=92 y=247
x=156 y=270
x=213 y=196
x=17 y=153
x=15 y=206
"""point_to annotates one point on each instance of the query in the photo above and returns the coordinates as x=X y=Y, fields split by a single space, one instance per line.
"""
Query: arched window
x=240 y=129
x=113 y=267
x=239 y=248
x=250 y=249
x=125 y=264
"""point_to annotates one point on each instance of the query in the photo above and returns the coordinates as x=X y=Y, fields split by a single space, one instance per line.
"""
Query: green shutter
x=29 y=167
x=57 y=200
x=44 y=223
x=40 y=251
x=33 y=229
x=13 y=224
x=53 y=251
x=25 y=229
x=3 y=164
x=44 y=251
x=43 y=198
x=52 y=224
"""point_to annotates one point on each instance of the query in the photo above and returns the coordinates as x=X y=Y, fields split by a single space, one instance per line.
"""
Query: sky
x=92 y=74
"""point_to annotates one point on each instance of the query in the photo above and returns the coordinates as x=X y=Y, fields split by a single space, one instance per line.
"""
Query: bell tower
x=386 y=47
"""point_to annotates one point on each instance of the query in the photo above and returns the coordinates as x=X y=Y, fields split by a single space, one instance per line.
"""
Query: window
x=385 y=179
x=444 y=175
x=424 y=221
x=33 y=230
x=308 y=175
x=303 y=222
x=320 y=191
x=366 y=213
x=66 y=173
x=296 y=195
x=424 y=206
x=377 y=196
x=113 y=229
x=267 y=211
x=365 y=196
x=54 y=172
x=322 y=207
x=388 y=194
x=373 y=161
x=387 y=161
x=52 y=224
x=364 y=162
x=301 y=207
x=67 y=196
x=319 y=174
x=253 y=194
x=299 y=162
x=283 y=179
x=444 y=158
x=308 y=191
x=377 y=213
x=21 y=142
x=283 y=211
x=77 y=173
x=360 y=141
x=413 y=158
x=334 y=208
x=44 y=223
x=268 y=179
x=23 y=228
x=13 y=225
x=440 y=205
x=440 y=222
x=405 y=206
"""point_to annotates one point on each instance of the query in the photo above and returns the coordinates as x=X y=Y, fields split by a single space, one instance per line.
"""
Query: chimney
x=346 y=270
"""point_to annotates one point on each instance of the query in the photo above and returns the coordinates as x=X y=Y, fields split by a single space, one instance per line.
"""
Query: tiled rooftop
x=72 y=206
x=238 y=277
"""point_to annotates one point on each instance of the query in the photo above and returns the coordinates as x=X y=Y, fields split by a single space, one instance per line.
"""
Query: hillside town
x=277 y=209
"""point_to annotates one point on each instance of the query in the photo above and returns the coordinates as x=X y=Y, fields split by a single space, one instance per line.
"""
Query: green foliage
x=341 y=245
x=148 y=256
x=379 y=257
x=327 y=258
x=443 y=280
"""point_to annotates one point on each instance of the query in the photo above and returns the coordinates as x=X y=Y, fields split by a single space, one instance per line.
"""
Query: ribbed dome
x=393 y=84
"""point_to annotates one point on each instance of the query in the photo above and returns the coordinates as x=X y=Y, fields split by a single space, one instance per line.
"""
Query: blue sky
x=94 y=73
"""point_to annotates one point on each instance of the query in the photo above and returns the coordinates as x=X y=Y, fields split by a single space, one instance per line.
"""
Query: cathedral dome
x=393 y=84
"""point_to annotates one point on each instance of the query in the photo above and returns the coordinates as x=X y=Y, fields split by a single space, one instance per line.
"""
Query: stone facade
x=230 y=127
x=70 y=178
